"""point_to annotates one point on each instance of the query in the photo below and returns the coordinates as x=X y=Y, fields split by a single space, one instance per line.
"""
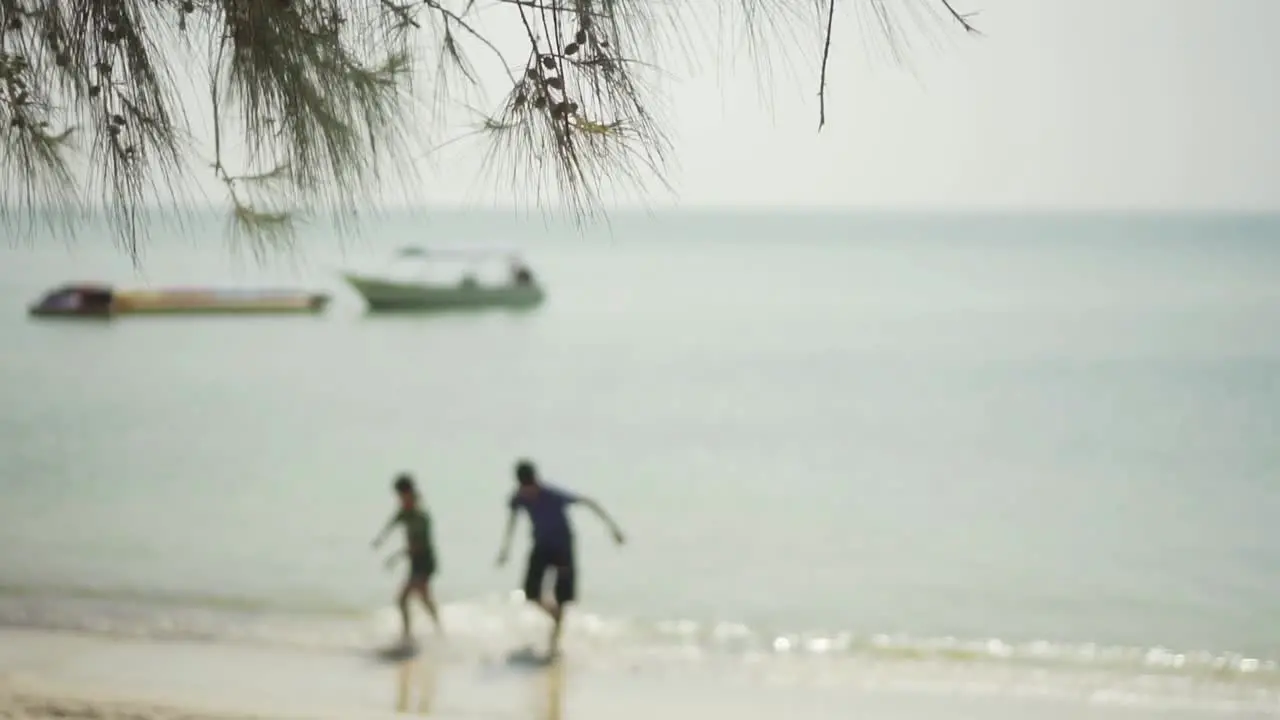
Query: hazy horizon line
x=8 y=215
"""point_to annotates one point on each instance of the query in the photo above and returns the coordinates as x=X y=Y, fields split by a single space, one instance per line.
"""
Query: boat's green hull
x=385 y=296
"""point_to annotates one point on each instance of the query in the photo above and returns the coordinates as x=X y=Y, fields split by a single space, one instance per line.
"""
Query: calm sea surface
x=984 y=439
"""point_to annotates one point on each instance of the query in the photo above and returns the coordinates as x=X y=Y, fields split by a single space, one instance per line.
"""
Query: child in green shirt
x=418 y=546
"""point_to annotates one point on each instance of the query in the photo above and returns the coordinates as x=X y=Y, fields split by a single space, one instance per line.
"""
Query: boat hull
x=102 y=303
x=218 y=303
x=389 y=296
x=49 y=314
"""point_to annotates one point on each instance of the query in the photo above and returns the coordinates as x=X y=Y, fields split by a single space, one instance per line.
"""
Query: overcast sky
x=1159 y=104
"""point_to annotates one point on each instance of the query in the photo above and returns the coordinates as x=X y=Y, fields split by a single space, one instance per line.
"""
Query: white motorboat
x=415 y=291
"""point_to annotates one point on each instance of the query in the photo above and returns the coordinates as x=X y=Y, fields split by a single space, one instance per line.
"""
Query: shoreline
x=46 y=675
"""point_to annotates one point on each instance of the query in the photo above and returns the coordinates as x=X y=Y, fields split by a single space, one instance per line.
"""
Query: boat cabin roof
x=82 y=288
x=474 y=255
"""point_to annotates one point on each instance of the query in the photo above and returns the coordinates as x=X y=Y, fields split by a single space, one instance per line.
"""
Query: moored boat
x=86 y=300
x=415 y=293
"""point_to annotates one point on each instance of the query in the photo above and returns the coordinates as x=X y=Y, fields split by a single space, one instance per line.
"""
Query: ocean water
x=937 y=448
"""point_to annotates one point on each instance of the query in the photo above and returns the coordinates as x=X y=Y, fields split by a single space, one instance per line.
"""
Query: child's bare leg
x=404 y=611
x=428 y=601
x=564 y=595
x=553 y=647
x=550 y=608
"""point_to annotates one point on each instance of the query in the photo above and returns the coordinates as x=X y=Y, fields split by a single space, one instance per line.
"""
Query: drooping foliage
x=316 y=101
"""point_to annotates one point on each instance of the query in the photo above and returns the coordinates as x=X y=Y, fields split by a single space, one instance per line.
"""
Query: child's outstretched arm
x=506 y=537
x=382 y=534
x=600 y=512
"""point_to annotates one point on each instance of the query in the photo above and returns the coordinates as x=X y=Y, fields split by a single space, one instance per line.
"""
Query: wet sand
x=46 y=675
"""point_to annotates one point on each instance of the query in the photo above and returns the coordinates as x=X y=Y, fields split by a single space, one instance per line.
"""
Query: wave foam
x=482 y=628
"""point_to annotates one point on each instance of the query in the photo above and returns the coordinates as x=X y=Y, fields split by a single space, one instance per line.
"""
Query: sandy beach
x=34 y=706
x=54 y=675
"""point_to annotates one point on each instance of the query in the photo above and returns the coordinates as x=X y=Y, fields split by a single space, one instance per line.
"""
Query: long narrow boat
x=85 y=300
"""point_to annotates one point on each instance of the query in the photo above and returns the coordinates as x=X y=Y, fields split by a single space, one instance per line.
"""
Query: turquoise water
x=1031 y=440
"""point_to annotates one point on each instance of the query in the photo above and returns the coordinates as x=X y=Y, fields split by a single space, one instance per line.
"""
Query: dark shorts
x=559 y=559
x=422 y=566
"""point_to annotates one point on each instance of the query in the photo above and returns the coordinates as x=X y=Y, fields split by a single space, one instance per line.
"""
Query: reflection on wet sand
x=549 y=704
x=416 y=679
x=418 y=674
